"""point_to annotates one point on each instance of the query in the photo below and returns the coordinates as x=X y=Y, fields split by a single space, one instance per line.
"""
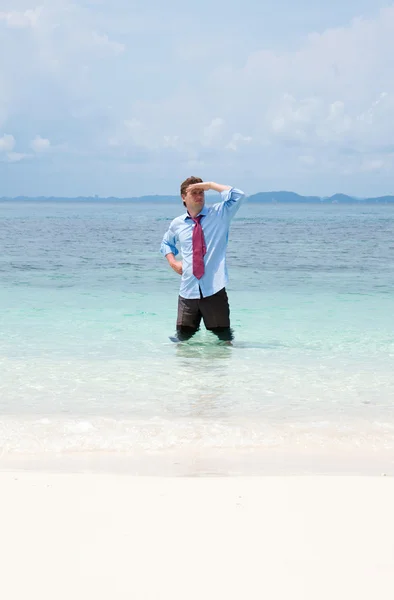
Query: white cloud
x=326 y=104
x=7 y=143
x=20 y=20
x=237 y=140
x=63 y=56
x=323 y=98
x=308 y=160
x=291 y=117
x=195 y=164
x=104 y=42
x=213 y=132
x=171 y=141
x=330 y=90
x=40 y=144
x=16 y=156
x=133 y=132
x=373 y=165
x=370 y=115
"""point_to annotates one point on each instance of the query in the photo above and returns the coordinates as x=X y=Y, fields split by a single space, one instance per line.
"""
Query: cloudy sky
x=129 y=97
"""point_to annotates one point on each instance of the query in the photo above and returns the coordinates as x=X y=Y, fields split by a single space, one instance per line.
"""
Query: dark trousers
x=214 y=310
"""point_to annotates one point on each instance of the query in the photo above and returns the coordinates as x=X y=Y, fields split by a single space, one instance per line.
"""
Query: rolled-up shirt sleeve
x=168 y=245
x=231 y=201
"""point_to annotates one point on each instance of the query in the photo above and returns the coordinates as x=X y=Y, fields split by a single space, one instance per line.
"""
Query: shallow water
x=87 y=306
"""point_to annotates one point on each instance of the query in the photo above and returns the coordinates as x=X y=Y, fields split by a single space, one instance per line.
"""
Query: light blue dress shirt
x=215 y=224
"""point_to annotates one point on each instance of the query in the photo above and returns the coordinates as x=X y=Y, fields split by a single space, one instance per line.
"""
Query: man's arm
x=169 y=250
x=231 y=197
x=217 y=187
x=209 y=185
x=174 y=264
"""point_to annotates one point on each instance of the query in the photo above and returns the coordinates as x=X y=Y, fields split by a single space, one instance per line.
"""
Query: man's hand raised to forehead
x=204 y=185
x=208 y=185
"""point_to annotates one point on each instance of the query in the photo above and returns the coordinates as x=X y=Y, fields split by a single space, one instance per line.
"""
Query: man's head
x=194 y=200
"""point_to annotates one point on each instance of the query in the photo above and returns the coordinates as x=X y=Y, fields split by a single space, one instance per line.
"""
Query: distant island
x=293 y=198
x=260 y=198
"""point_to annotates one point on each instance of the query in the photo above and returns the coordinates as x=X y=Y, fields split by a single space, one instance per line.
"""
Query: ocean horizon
x=268 y=197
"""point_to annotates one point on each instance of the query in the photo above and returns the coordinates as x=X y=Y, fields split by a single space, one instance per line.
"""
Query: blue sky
x=128 y=98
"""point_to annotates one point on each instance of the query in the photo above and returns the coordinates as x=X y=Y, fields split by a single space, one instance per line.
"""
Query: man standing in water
x=202 y=233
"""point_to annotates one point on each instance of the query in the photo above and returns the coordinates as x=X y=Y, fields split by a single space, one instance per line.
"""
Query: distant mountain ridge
x=281 y=197
x=293 y=198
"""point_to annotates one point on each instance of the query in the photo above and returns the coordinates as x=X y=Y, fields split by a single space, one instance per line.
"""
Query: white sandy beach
x=85 y=536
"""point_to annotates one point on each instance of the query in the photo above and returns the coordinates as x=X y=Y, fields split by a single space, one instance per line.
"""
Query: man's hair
x=188 y=182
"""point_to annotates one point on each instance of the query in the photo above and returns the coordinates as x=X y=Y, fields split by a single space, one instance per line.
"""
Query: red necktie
x=199 y=248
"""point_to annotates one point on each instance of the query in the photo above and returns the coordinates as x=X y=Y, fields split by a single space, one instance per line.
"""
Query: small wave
x=49 y=435
x=25 y=267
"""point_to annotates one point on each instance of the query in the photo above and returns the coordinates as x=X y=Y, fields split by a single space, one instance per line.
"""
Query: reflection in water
x=203 y=351
x=205 y=369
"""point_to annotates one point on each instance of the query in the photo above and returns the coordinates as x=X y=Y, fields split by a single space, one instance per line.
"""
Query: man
x=202 y=233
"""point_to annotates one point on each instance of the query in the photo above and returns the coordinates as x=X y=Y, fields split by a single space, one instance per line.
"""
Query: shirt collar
x=202 y=213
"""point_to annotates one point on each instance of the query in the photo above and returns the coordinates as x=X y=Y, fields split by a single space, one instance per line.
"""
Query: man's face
x=194 y=199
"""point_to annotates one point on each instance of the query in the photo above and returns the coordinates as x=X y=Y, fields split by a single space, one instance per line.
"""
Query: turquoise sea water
x=87 y=305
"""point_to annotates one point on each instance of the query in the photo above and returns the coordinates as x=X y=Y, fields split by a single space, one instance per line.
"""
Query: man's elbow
x=166 y=249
